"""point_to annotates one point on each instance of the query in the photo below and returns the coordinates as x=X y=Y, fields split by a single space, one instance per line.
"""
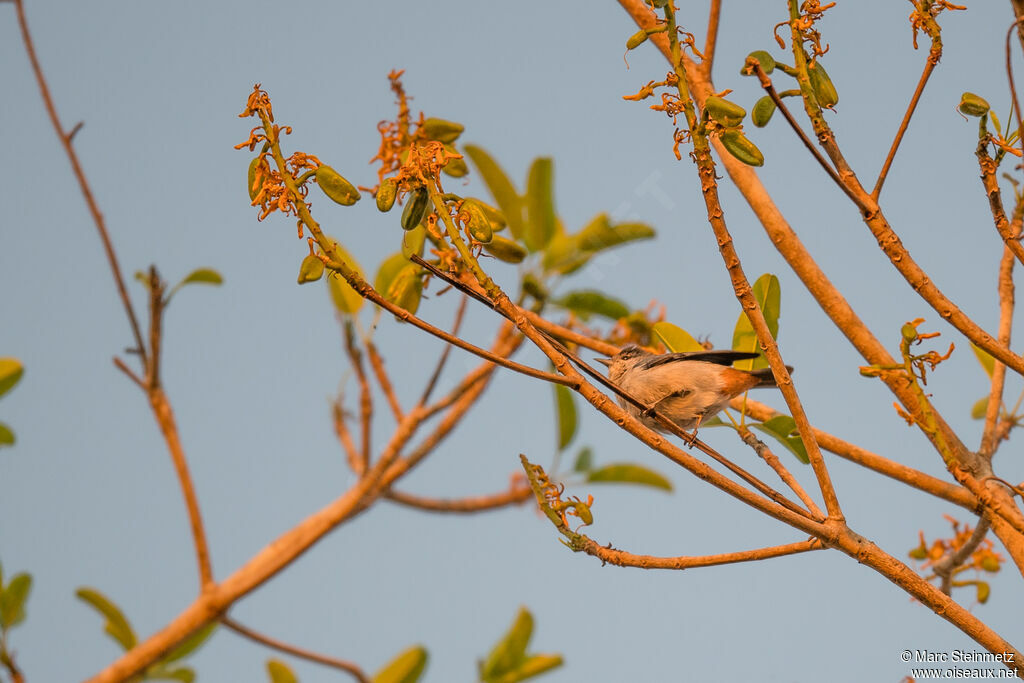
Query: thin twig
x=769 y=88
x=281 y=646
x=165 y=419
x=773 y=461
x=470 y=504
x=365 y=399
x=355 y=462
x=990 y=439
x=83 y=184
x=711 y=41
x=377 y=364
x=929 y=66
x=946 y=566
x=1013 y=87
x=131 y=373
x=439 y=368
x=624 y=559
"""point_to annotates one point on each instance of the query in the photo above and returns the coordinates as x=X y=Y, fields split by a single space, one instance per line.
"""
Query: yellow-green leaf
x=280 y=672
x=540 y=204
x=783 y=428
x=387 y=271
x=202 y=276
x=599 y=233
x=587 y=302
x=769 y=297
x=509 y=653
x=116 y=626
x=566 y=416
x=979 y=409
x=584 y=460
x=629 y=473
x=6 y=435
x=406 y=289
x=182 y=674
x=405 y=668
x=12 y=600
x=675 y=338
x=533 y=666
x=11 y=371
x=336 y=187
x=986 y=360
x=191 y=644
x=442 y=130
x=505 y=250
x=413 y=240
x=311 y=269
x=501 y=188
x=346 y=299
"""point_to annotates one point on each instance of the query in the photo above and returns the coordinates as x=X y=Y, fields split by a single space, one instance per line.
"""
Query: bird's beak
x=607 y=362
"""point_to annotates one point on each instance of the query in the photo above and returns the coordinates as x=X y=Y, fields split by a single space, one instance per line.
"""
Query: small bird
x=684 y=387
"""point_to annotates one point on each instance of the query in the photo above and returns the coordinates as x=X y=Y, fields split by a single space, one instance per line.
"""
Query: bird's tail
x=765 y=378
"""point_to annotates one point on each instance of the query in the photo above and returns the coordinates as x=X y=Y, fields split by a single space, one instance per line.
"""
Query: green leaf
x=6 y=435
x=387 y=271
x=566 y=416
x=979 y=409
x=413 y=240
x=986 y=360
x=11 y=371
x=675 y=338
x=563 y=254
x=501 y=188
x=184 y=674
x=599 y=234
x=280 y=672
x=190 y=644
x=202 y=276
x=587 y=302
x=407 y=667
x=584 y=460
x=406 y=289
x=311 y=269
x=783 y=428
x=629 y=473
x=534 y=665
x=346 y=299
x=540 y=204
x=12 y=600
x=509 y=653
x=769 y=296
x=116 y=626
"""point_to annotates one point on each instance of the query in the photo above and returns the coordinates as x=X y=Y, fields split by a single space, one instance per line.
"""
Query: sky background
x=88 y=496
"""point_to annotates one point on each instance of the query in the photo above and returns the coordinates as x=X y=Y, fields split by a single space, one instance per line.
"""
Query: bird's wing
x=719 y=357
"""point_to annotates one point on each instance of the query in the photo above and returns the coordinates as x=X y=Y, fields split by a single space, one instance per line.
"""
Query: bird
x=687 y=388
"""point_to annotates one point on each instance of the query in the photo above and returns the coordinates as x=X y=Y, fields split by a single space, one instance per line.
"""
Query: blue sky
x=89 y=496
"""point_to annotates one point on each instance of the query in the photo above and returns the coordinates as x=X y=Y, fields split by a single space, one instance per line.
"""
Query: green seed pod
x=533 y=287
x=762 y=112
x=737 y=144
x=909 y=332
x=636 y=40
x=406 y=289
x=972 y=105
x=824 y=91
x=479 y=226
x=336 y=187
x=496 y=217
x=253 y=165
x=311 y=270
x=412 y=241
x=766 y=61
x=386 y=194
x=456 y=168
x=441 y=130
x=415 y=209
x=505 y=250
x=724 y=112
